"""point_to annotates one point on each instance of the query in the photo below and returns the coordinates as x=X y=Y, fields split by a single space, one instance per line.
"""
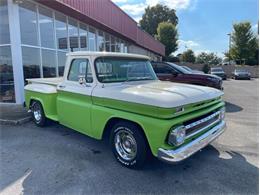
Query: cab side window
x=80 y=68
x=163 y=69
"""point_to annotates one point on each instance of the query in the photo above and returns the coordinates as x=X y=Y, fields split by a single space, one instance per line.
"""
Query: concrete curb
x=15 y=122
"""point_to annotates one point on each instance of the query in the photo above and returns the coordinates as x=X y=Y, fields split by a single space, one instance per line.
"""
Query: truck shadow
x=232 y=107
x=78 y=164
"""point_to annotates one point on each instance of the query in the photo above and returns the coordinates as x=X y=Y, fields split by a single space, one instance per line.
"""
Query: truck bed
x=49 y=81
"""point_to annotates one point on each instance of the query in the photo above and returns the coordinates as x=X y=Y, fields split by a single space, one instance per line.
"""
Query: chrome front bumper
x=173 y=156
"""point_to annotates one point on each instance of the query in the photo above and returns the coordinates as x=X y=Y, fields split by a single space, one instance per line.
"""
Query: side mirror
x=82 y=80
x=174 y=74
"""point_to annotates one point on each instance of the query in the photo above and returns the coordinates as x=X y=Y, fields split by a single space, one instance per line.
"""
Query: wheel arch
x=33 y=99
x=113 y=120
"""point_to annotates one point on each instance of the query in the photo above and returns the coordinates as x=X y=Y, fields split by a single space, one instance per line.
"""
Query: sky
x=203 y=24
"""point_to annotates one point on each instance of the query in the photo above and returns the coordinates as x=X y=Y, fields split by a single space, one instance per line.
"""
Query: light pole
x=229 y=46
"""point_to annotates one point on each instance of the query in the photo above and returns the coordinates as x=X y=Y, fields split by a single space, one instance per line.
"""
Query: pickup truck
x=118 y=96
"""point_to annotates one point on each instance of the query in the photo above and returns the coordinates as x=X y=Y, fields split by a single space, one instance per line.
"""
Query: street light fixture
x=229 y=57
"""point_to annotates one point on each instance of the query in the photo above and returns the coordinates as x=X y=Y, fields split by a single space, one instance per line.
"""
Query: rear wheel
x=38 y=115
x=129 y=145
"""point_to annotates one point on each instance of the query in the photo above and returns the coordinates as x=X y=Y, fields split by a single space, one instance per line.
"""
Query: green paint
x=152 y=111
x=89 y=115
x=48 y=102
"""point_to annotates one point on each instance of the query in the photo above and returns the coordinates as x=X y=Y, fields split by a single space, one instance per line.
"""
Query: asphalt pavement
x=58 y=160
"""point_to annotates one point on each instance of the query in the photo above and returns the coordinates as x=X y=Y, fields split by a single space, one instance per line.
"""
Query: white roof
x=113 y=54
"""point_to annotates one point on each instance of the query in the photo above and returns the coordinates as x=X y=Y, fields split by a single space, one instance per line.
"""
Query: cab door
x=74 y=96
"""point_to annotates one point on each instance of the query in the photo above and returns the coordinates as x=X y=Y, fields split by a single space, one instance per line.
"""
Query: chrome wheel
x=125 y=144
x=37 y=112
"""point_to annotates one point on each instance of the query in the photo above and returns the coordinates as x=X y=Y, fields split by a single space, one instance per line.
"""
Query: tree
x=188 y=56
x=208 y=58
x=153 y=16
x=244 y=44
x=168 y=35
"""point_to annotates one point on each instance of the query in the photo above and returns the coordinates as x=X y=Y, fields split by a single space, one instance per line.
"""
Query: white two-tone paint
x=155 y=93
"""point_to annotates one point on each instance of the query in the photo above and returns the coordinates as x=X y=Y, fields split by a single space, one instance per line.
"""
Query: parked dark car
x=218 y=71
x=167 y=71
x=241 y=74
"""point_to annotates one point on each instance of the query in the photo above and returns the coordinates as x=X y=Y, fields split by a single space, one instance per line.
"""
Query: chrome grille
x=201 y=124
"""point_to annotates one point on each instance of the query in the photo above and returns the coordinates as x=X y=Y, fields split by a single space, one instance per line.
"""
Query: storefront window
x=83 y=34
x=73 y=35
x=4 y=30
x=92 y=39
x=122 y=45
x=46 y=28
x=31 y=62
x=7 y=93
x=107 y=42
x=28 y=23
x=126 y=47
x=61 y=31
x=48 y=63
x=113 y=44
x=117 y=45
x=61 y=62
x=100 y=41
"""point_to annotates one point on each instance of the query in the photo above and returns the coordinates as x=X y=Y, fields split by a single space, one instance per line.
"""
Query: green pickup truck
x=118 y=96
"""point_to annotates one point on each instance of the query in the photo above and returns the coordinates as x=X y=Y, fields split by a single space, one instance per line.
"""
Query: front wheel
x=38 y=114
x=129 y=145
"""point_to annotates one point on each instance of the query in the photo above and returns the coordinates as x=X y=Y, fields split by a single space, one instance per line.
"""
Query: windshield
x=110 y=70
x=186 y=68
x=216 y=70
x=179 y=68
x=242 y=71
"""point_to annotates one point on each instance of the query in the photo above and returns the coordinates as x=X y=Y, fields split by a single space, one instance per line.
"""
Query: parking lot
x=56 y=159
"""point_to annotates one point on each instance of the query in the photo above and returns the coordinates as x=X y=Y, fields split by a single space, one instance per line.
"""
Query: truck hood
x=156 y=93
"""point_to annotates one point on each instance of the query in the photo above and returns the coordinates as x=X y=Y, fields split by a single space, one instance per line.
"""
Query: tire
x=38 y=115
x=129 y=145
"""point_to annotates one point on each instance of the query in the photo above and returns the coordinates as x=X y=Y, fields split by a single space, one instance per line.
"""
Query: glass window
x=113 y=44
x=80 y=69
x=46 y=28
x=107 y=42
x=100 y=41
x=61 y=62
x=92 y=39
x=31 y=62
x=163 y=69
x=61 y=31
x=83 y=34
x=122 y=45
x=48 y=63
x=126 y=47
x=123 y=69
x=4 y=30
x=117 y=47
x=28 y=23
x=7 y=93
x=73 y=35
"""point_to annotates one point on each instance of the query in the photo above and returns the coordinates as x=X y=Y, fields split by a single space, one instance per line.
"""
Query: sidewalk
x=13 y=114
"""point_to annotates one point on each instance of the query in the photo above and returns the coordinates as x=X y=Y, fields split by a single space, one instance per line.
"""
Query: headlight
x=177 y=136
x=222 y=113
